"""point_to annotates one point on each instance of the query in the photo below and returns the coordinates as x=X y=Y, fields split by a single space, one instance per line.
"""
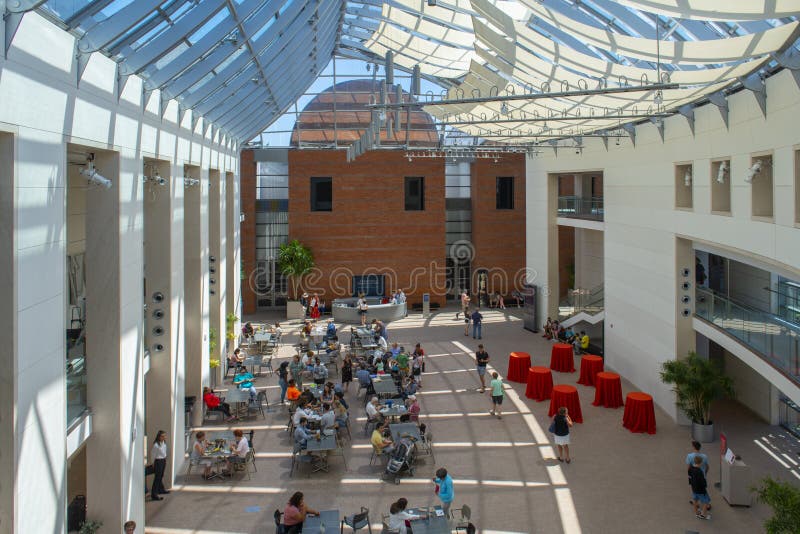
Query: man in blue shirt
x=301 y=434
x=330 y=333
x=477 y=320
x=244 y=380
x=704 y=462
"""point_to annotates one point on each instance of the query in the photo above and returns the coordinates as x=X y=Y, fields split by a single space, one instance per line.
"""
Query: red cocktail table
x=590 y=366
x=608 y=390
x=540 y=383
x=564 y=395
x=640 y=415
x=518 y=365
x=561 y=358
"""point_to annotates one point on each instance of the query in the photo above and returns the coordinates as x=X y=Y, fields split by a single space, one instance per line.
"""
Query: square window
x=505 y=193
x=683 y=185
x=721 y=186
x=321 y=194
x=415 y=193
x=759 y=175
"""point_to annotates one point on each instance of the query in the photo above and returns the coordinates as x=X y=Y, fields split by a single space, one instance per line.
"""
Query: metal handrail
x=581 y=207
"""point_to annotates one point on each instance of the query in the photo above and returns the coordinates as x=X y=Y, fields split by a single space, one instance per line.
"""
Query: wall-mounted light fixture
x=753 y=171
x=722 y=171
x=92 y=175
x=687 y=177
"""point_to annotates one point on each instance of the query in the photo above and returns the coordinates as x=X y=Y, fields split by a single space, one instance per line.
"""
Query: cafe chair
x=256 y=405
x=266 y=363
x=208 y=414
x=377 y=454
x=461 y=516
x=193 y=462
x=357 y=521
x=280 y=528
x=369 y=426
x=300 y=456
x=387 y=530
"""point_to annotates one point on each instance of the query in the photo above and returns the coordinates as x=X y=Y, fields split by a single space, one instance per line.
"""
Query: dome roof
x=319 y=124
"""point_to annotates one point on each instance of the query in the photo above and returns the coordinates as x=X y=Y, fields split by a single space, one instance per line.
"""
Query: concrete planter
x=703 y=433
x=295 y=310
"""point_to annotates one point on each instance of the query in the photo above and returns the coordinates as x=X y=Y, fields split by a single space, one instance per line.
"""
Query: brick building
x=428 y=225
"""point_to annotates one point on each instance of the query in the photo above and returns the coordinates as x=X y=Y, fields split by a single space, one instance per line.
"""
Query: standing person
x=497 y=395
x=159 y=455
x=296 y=367
x=283 y=380
x=347 y=372
x=482 y=360
x=464 y=303
x=697 y=479
x=295 y=513
x=477 y=321
x=561 y=424
x=362 y=308
x=444 y=489
x=314 y=307
x=319 y=372
x=129 y=527
x=466 y=323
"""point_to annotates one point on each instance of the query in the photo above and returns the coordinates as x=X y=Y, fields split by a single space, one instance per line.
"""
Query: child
x=697 y=479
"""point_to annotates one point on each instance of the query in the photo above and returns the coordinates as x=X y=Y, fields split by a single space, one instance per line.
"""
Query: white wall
x=642 y=226
x=588 y=258
x=44 y=107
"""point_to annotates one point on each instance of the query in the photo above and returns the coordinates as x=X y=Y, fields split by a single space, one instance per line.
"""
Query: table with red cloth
x=640 y=415
x=608 y=390
x=564 y=395
x=561 y=358
x=540 y=383
x=518 y=365
x=590 y=366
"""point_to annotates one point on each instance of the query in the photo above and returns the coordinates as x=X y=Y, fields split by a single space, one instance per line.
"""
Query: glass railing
x=581 y=207
x=590 y=301
x=776 y=340
x=76 y=380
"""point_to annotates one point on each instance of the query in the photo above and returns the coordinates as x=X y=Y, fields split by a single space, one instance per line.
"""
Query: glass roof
x=241 y=64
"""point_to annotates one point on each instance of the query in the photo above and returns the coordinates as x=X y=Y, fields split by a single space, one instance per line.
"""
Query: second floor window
x=505 y=193
x=321 y=194
x=415 y=193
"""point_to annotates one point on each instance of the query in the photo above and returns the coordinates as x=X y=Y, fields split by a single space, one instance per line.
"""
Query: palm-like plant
x=784 y=499
x=697 y=382
x=295 y=260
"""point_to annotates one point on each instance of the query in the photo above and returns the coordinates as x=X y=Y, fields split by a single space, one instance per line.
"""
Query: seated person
x=327 y=393
x=237 y=358
x=380 y=443
x=383 y=345
x=394 y=368
x=398 y=517
x=277 y=330
x=302 y=411
x=239 y=449
x=569 y=334
x=308 y=359
x=379 y=367
x=244 y=380
x=548 y=329
x=340 y=413
x=330 y=332
x=413 y=408
x=339 y=396
x=372 y=408
x=214 y=403
x=292 y=393
x=199 y=453
x=410 y=388
x=328 y=419
x=562 y=334
x=395 y=350
x=302 y=434
x=362 y=375
x=306 y=397
x=295 y=514
x=248 y=330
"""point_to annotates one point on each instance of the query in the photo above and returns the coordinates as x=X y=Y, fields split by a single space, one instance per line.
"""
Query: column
x=541 y=248
x=114 y=335
x=217 y=250
x=164 y=336
x=233 y=282
x=196 y=264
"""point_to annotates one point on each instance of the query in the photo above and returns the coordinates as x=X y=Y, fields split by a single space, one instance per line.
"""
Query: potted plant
x=784 y=499
x=90 y=526
x=295 y=260
x=697 y=382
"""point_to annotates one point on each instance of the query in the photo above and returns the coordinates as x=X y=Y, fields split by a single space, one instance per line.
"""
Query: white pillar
x=196 y=263
x=216 y=249
x=541 y=192
x=114 y=272
x=163 y=250
x=233 y=284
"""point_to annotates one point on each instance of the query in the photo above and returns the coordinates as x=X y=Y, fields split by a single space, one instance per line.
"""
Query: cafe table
x=385 y=386
x=396 y=410
x=325 y=443
x=237 y=398
x=400 y=430
x=561 y=358
x=640 y=415
x=313 y=523
x=263 y=339
x=518 y=365
x=434 y=523
x=252 y=362
x=608 y=390
x=540 y=383
x=565 y=395
x=590 y=366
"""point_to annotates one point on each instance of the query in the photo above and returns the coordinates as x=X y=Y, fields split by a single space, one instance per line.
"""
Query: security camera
x=722 y=171
x=753 y=171
x=95 y=177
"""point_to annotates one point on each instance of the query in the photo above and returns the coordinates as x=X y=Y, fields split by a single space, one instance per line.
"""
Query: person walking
x=159 y=455
x=482 y=360
x=560 y=429
x=497 y=395
x=464 y=304
x=477 y=320
x=363 y=307
x=283 y=380
x=466 y=322
x=695 y=453
x=697 y=479
x=444 y=489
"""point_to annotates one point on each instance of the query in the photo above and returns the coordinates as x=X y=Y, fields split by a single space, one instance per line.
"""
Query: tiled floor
x=504 y=470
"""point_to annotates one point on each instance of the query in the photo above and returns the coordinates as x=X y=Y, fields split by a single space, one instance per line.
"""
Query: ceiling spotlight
x=93 y=176
x=687 y=177
x=722 y=171
x=753 y=171
x=504 y=109
x=189 y=182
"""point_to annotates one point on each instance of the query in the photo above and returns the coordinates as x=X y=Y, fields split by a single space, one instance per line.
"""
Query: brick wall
x=566 y=258
x=248 y=229
x=368 y=230
x=498 y=236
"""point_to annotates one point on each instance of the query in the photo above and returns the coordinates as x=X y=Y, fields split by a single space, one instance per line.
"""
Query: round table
x=564 y=395
x=518 y=365
x=561 y=358
x=608 y=390
x=639 y=416
x=590 y=366
x=540 y=383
